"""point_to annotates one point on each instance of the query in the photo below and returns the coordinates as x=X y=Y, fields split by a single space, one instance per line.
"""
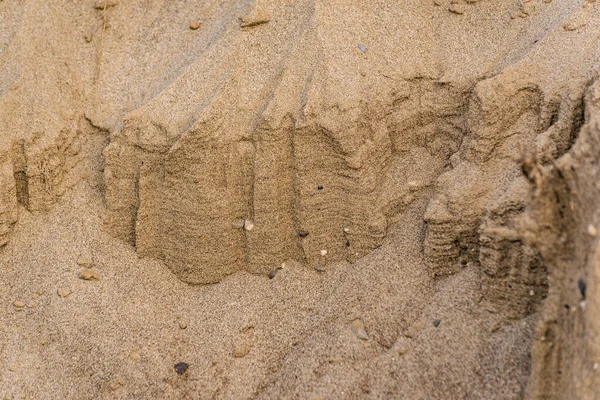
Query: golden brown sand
x=299 y=199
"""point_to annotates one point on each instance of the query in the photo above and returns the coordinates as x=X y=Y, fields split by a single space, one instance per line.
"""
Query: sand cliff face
x=303 y=130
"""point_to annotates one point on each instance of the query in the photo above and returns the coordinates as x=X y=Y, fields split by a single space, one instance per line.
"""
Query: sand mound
x=388 y=200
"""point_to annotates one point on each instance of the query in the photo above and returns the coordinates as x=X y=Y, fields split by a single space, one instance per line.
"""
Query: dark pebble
x=347 y=244
x=464 y=246
x=273 y=273
x=181 y=367
x=581 y=285
x=463 y=262
x=320 y=187
x=436 y=323
x=302 y=233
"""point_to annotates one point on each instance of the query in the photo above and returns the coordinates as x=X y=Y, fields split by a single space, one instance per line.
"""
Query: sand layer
x=299 y=199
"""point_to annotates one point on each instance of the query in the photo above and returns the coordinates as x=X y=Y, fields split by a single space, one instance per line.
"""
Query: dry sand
x=121 y=336
x=299 y=199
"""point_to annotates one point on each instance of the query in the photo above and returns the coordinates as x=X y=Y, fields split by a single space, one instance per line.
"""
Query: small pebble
x=136 y=356
x=358 y=328
x=347 y=230
x=595 y=366
x=302 y=234
x=323 y=253
x=181 y=367
x=248 y=225
x=182 y=325
x=195 y=25
x=362 y=48
x=320 y=187
x=436 y=323
x=531 y=292
x=592 y=231
x=582 y=288
x=63 y=292
x=273 y=273
x=19 y=305
x=463 y=262
x=319 y=268
x=347 y=244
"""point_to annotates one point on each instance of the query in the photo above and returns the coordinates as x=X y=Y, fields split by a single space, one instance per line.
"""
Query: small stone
x=362 y=48
x=19 y=304
x=346 y=230
x=195 y=25
x=32 y=305
x=136 y=357
x=86 y=259
x=531 y=292
x=347 y=244
x=592 y=231
x=182 y=325
x=320 y=187
x=181 y=367
x=273 y=273
x=320 y=268
x=248 y=225
x=241 y=351
x=582 y=287
x=595 y=366
x=463 y=262
x=358 y=328
x=302 y=234
x=64 y=292
x=436 y=322
x=89 y=275
x=323 y=253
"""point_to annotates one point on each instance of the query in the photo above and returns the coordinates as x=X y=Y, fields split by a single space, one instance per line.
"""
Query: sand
x=299 y=199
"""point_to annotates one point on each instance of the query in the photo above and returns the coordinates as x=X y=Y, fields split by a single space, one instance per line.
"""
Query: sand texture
x=299 y=199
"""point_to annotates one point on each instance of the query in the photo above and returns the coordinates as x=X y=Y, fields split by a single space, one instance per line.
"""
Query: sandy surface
x=121 y=336
x=299 y=199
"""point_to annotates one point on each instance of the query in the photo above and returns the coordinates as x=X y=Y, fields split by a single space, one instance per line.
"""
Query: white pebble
x=595 y=366
x=248 y=225
x=347 y=230
x=323 y=252
x=593 y=232
x=531 y=292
